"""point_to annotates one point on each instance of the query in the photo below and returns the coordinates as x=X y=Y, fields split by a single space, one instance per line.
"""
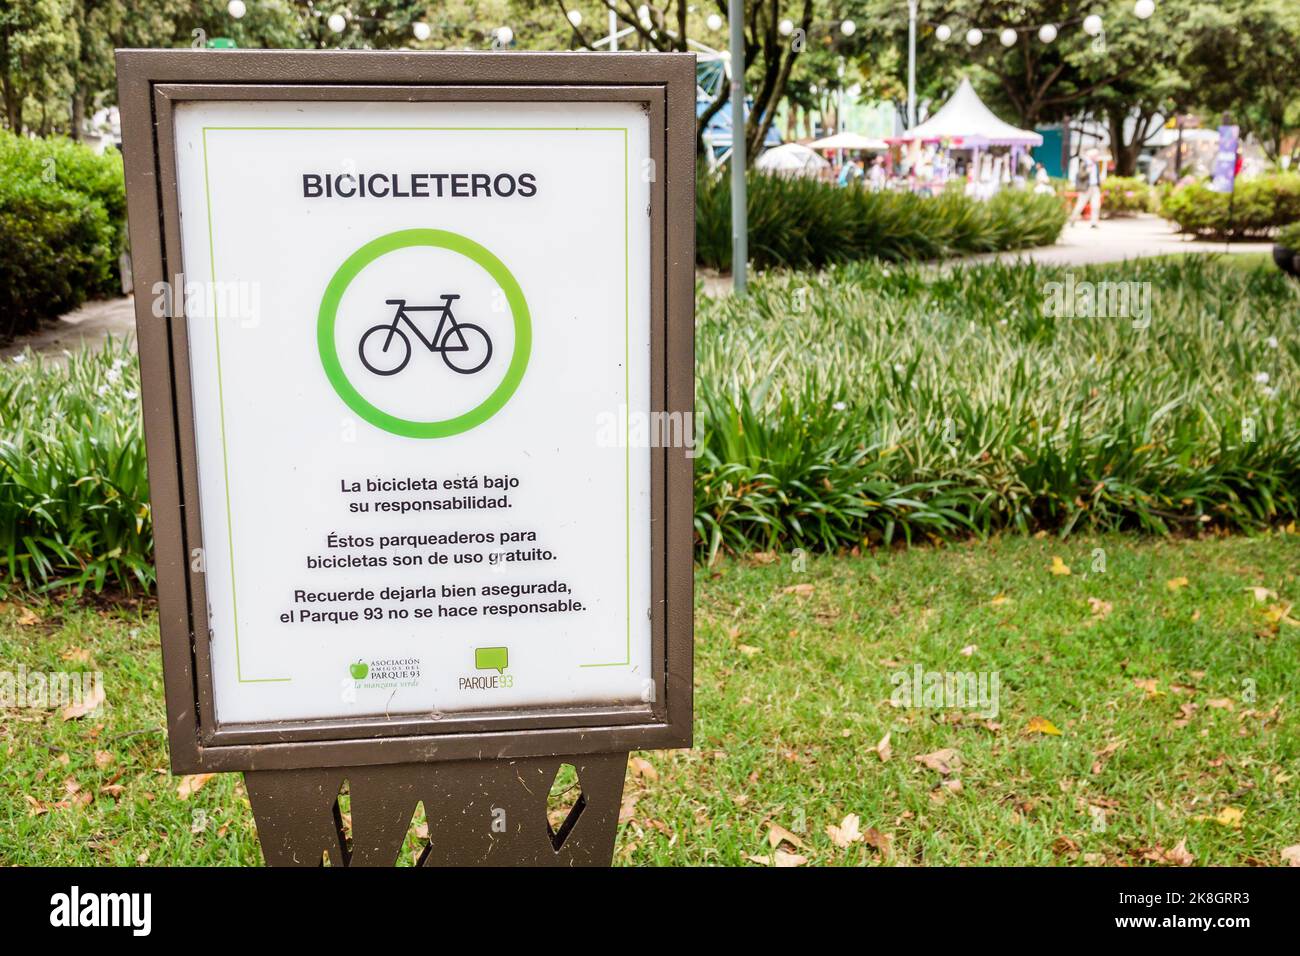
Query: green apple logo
x=359 y=670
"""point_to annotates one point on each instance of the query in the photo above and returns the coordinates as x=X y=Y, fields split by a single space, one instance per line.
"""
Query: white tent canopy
x=849 y=141
x=967 y=122
x=791 y=159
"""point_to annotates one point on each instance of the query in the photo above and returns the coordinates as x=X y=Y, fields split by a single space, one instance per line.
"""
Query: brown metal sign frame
x=151 y=83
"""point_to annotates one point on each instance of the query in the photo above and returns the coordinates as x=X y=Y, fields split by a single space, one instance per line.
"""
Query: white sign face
x=420 y=355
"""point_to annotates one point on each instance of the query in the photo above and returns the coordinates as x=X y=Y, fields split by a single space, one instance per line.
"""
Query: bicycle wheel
x=385 y=356
x=465 y=348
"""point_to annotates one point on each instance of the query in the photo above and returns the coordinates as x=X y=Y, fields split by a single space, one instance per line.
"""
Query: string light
x=714 y=22
x=236 y=9
x=848 y=27
x=421 y=31
x=1047 y=32
x=786 y=27
x=575 y=18
x=337 y=23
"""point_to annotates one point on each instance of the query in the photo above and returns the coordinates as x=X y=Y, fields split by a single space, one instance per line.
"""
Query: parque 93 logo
x=424 y=333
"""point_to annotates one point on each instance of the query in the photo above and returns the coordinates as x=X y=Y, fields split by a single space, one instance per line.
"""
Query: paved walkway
x=88 y=326
x=1117 y=239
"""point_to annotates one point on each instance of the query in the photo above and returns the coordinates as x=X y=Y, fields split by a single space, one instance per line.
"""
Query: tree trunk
x=78 y=112
x=1125 y=153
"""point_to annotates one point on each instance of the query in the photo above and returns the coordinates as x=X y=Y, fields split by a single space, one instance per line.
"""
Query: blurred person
x=1089 y=183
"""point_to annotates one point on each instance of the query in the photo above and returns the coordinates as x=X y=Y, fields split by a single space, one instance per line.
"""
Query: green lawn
x=1173 y=703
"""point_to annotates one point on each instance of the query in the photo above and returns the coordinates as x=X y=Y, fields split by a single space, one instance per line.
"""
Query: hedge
x=802 y=223
x=62 y=228
x=1125 y=195
x=1259 y=206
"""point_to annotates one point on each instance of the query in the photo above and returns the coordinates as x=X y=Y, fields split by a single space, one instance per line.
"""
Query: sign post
x=416 y=345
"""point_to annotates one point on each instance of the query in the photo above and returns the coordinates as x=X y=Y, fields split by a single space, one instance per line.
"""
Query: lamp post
x=911 y=63
x=739 y=217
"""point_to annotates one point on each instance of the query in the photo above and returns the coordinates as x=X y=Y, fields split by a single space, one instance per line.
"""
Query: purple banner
x=1224 y=174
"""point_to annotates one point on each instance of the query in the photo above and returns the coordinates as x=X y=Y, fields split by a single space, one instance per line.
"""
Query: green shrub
x=1289 y=236
x=62 y=228
x=803 y=223
x=74 y=495
x=865 y=405
x=1125 y=195
x=1260 y=205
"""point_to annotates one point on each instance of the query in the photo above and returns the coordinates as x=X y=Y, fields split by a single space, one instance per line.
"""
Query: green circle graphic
x=438 y=239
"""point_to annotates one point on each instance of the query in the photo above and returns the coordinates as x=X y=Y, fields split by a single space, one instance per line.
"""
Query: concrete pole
x=739 y=212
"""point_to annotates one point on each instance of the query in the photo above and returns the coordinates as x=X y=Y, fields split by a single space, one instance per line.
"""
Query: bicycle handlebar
x=446 y=297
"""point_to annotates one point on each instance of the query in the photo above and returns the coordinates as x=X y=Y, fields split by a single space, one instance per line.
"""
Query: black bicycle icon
x=385 y=349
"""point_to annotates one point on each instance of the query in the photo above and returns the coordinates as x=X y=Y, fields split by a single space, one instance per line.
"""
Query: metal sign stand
x=479 y=812
x=484 y=779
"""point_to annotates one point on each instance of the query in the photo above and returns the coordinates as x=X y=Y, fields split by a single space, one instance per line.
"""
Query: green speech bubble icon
x=492 y=659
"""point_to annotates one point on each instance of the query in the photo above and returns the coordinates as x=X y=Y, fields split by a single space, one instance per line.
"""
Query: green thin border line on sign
x=225 y=454
x=627 y=476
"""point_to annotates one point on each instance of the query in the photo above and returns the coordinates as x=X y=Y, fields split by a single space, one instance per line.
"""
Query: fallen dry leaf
x=1174 y=584
x=1227 y=817
x=945 y=761
x=643 y=768
x=36 y=807
x=880 y=842
x=28 y=618
x=748 y=649
x=1179 y=855
x=1041 y=725
x=847 y=833
x=1291 y=855
x=1149 y=685
x=968 y=650
x=1100 y=608
x=192 y=783
x=802 y=590
x=999 y=599
x=90 y=702
x=1064 y=846
x=1221 y=703
x=103 y=758
x=883 y=749
x=1261 y=593
x=1280 y=613
x=777 y=834
x=1230 y=817
x=778 y=859
x=1059 y=567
